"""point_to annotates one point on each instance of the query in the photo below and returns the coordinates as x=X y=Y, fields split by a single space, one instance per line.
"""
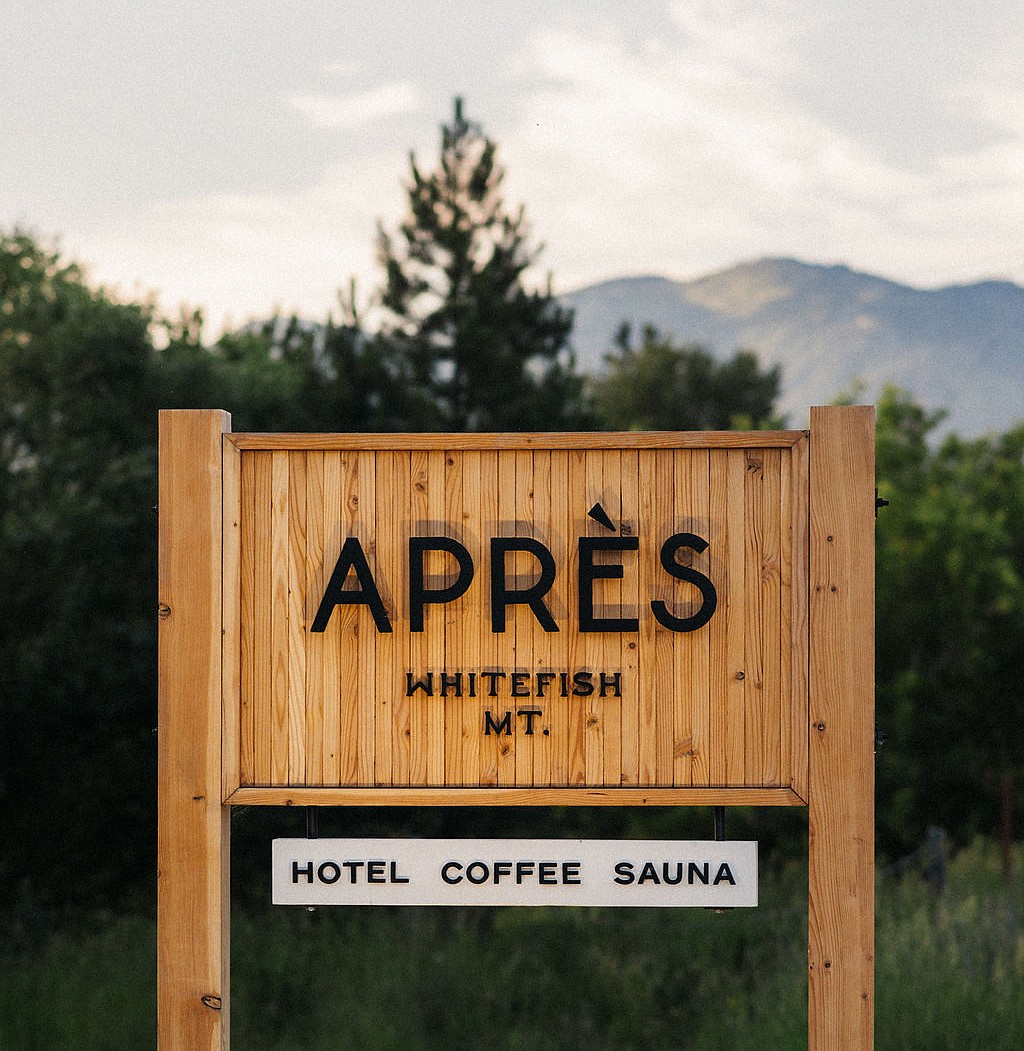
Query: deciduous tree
x=660 y=385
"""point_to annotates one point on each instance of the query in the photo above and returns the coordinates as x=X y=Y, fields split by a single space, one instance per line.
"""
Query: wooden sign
x=515 y=619
x=542 y=612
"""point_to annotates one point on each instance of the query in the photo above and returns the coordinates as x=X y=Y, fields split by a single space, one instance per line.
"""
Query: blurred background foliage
x=460 y=341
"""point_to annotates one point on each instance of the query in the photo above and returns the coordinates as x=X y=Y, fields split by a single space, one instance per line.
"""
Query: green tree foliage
x=950 y=624
x=77 y=459
x=488 y=353
x=663 y=386
x=288 y=374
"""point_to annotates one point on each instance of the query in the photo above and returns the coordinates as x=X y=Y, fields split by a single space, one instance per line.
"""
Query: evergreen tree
x=488 y=352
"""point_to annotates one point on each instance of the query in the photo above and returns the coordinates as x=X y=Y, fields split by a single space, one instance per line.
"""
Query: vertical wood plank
x=348 y=617
x=456 y=635
x=841 y=747
x=634 y=598
x=505 y=744
x=231 y=688
x=682 y=657
x=735 y=619
x=650 y=515
x=262 y=619
x=296 y=618
x=560 y=544
x=469 y=721
x=543 y=641
x=386 y=687
x=399 y=528
x=193 y=829
x=490 y=651
x=247 y=627
x=328 y=723
x=435 y=620
x=798 y=563
x=720 y=672
x=756 y=623
x=591 y=644
x=279 y=616
x=363 y=515
x=522 y=620
x=667 y=686
x=611 y=642
x=771 y=603
x=576 y=507
x=317 y=574
x=698 y=521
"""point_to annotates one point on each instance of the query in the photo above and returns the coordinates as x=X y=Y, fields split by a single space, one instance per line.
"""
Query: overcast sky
x=238 y=155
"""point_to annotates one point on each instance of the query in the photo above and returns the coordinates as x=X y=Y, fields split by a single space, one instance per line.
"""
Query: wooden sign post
x=534 y=619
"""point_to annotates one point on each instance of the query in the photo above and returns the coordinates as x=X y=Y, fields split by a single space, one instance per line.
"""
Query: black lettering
x=709 y=596
x=648 y=874
x=611 y=682
x=571 y=873
x=546 y=873
x=492 y=678
x=395 y=878
x=523 y=869
x=453 y=682
x=426 y=685
x=724 y=874
x=335 y=594
x=519 y=684
x=375 y=872
x=666 y=873
x=501 y=868
x=625 y=874
x=590 y=571
x=699 y=873
x=543 y=679
x=480 y=868
x=531 y=714
x=420 y=595
x=328 y=872
x=306 y=870
x=532 y=596
x=490 y=726
x=446 y=870
x=353 y=869
x=583 y=684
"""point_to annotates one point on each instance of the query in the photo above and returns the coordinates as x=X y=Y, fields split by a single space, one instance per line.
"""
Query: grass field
x=949 y=974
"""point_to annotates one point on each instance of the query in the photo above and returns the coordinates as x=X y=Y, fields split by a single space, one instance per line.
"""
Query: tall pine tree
x=486 y=350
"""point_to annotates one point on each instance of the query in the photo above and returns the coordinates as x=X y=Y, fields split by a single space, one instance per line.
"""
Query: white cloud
x=244 y=255
x=357 y=111
x=672 y=153
x=697 y=151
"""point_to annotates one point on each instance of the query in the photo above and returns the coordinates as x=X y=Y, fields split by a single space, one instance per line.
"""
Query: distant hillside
x=959 y=348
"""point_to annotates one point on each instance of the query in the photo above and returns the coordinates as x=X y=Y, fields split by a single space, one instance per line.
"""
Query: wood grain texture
x=526 y=440
x=769 y=704
x=461 y=705
x=497 y=796
x=841 y=746
x=193 y=830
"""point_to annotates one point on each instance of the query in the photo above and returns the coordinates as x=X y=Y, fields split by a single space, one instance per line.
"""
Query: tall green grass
x=949 y=974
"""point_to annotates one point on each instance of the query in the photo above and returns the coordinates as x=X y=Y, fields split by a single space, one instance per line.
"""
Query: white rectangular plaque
x=658 y=873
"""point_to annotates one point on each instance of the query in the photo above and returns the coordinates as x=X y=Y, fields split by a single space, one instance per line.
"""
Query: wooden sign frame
x=825 y=557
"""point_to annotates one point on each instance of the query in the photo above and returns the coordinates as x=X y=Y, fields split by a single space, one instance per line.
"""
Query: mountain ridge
x=831 y=328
